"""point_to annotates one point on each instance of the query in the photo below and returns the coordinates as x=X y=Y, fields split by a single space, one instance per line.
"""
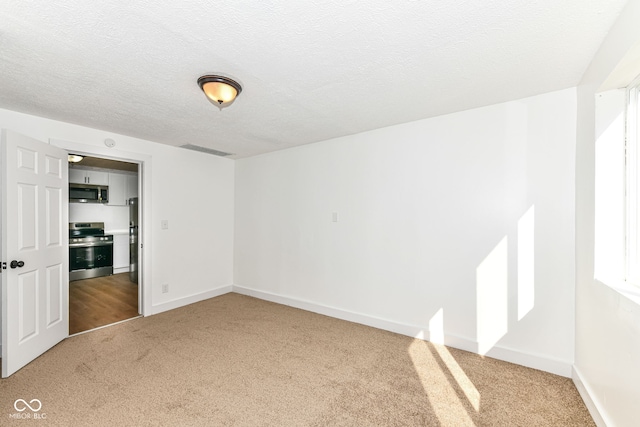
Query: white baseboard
x=589 y=399
x=558 y=367
x=120 y=270
x=535 y=361
x=387 y=325
x=180 y=302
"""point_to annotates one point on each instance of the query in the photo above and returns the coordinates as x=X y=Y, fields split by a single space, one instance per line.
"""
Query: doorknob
x=15 y=264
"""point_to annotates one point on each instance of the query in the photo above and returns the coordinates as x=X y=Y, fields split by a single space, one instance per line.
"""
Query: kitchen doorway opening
x=104 y=233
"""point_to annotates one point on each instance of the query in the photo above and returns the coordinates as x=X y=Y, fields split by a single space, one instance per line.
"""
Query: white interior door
x=35 y=289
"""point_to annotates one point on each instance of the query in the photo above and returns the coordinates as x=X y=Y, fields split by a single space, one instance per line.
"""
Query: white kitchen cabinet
x=117 y=189
x=131 y=186
x=120 y=251
x=97 y=178
x=122 y=187
x=86 y=176
x=77 y=176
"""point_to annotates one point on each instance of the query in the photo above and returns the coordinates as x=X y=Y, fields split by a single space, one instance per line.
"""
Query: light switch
x=164 y=224
x=334 y=217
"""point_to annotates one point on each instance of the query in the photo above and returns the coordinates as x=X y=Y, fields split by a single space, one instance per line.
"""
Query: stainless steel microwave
x=87 y=193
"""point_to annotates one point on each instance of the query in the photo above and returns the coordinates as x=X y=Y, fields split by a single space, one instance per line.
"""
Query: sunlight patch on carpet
x=441 y=394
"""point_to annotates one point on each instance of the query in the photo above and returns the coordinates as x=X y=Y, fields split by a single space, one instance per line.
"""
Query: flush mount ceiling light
x=74 y=158
x=220 y=90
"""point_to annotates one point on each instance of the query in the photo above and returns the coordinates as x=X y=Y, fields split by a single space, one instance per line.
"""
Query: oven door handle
x=89 y=245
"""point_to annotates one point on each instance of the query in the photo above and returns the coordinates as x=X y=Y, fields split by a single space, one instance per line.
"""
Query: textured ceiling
x=310 y=70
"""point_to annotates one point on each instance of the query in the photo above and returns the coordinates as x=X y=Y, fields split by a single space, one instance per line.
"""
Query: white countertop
x=117 y=232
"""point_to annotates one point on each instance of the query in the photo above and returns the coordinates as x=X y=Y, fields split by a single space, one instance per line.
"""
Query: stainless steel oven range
x=90 y=251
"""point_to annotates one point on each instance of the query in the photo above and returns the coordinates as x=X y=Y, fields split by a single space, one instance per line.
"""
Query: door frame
x=144 y=214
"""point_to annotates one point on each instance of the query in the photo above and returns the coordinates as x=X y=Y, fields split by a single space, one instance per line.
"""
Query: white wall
x=194 y=191
x=115 y=218
x=607 y=317
x=461 y=225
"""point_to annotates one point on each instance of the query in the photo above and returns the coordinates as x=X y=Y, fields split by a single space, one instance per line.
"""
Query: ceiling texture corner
x=310 y=71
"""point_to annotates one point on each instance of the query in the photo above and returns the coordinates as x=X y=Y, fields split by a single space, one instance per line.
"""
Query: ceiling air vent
x=206 y=150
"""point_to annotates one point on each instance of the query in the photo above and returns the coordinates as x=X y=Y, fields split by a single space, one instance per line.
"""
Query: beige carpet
x=240 y=361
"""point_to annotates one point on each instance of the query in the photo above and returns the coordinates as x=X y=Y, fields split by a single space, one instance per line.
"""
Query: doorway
x=34 y=214
x=99 y=295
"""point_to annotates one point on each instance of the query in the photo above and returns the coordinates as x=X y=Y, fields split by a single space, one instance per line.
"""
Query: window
x=632 y=150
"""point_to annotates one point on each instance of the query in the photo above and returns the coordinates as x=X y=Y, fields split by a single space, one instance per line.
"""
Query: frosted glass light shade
x=221 y=91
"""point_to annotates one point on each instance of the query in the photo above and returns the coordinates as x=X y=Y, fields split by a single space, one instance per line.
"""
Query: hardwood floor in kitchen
x=101 y=301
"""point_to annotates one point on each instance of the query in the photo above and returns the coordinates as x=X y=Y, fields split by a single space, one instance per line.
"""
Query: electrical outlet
x=164 y=224
x=165 y=288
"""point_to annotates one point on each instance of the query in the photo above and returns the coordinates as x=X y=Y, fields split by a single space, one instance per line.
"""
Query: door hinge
x=4 y=266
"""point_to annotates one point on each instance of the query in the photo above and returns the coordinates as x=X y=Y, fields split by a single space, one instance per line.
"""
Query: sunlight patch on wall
x=436 y=327
x=609 y=187
x=526 y=263
x=492 y=297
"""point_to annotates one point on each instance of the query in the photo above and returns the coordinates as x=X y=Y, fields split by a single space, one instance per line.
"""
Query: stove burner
x=80 y=229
